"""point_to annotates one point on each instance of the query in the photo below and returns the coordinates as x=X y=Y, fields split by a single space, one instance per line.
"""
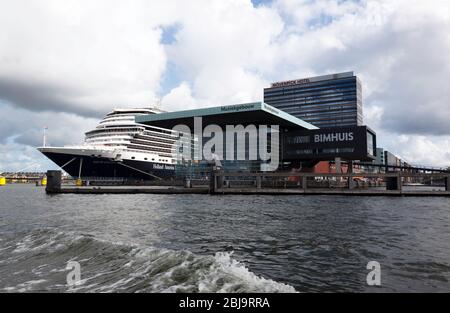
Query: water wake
x=37 y=262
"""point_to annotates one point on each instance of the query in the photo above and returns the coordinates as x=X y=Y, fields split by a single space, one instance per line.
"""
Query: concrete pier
x=394 y=183
x=221 y=183
x=132 y=190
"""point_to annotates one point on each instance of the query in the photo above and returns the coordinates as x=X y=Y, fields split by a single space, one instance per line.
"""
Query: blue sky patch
x=261 y=2
x=171 y=78
x=169 y=34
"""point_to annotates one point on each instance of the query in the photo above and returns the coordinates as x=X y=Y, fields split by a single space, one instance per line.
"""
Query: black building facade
x=324 y=101
x=351 y=143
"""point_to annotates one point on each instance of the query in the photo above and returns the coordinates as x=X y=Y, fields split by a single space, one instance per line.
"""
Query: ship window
x=133 y=158
x=145 y=159
x=153 y=159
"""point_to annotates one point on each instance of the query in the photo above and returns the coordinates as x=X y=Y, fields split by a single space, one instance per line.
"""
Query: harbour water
x=202 y=243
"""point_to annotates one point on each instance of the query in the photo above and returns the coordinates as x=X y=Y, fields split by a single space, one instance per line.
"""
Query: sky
x=65 y=64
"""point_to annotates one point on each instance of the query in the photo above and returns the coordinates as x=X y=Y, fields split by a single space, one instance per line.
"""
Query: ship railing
x=96 y=180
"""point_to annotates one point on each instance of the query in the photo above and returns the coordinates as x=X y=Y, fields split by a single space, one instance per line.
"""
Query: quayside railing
x=397 y=181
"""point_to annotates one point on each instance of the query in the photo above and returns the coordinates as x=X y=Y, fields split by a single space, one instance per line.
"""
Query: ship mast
x=45 y=136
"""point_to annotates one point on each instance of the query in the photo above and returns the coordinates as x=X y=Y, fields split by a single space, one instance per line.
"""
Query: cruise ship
x=120 y=148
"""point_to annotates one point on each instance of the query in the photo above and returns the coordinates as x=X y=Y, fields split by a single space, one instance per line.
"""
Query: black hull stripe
x=102 y=167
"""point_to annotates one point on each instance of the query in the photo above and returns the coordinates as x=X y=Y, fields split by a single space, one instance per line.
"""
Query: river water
x=202 y=243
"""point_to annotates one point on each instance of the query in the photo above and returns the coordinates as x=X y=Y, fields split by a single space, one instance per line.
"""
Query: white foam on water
x=118 y=267
x=26 y=286
x=242 y=274
x=225 y=274
x=161 y=270
x=31 y=243
x=38 y=270
x=5 y=248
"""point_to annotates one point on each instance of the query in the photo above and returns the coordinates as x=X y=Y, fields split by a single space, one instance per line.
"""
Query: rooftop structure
x=257 y=113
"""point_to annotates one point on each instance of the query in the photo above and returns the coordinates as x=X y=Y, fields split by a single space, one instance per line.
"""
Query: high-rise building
x=324 y=101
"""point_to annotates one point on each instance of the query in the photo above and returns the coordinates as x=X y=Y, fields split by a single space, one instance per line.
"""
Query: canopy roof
x=257 y=113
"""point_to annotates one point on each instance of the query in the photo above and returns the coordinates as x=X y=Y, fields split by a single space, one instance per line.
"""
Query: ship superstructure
x=121 y=148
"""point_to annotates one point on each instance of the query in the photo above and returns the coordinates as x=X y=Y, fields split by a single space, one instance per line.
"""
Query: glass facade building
x=324 y=101
x=243 y=134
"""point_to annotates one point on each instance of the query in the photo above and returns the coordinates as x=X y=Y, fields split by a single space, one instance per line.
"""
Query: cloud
x=67 y=63
x=39 y=96
x=80 y=57
x=26 y=127
x=421 y=150
x=179 y=98
x=223 y=48
x=397 y=48
x=19 y=157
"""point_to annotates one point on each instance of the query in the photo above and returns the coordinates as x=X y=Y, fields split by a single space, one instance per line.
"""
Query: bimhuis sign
x=327 y=143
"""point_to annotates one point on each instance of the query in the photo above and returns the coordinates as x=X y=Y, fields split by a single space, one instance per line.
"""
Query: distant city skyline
x=65 y=64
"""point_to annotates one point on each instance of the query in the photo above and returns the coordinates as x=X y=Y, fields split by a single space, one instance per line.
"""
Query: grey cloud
x=409 y=73
x=26 y=127
x=37 y=97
